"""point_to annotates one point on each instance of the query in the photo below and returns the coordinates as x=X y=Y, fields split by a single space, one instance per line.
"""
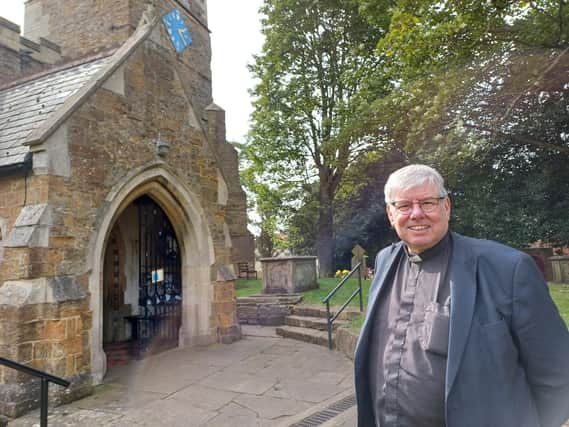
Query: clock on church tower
x=177 y=30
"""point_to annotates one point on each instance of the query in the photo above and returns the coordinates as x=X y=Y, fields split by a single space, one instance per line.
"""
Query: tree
x=467 y=63
x=266 y=201
x=361 y=213
x=478 y=90
x=315 y=60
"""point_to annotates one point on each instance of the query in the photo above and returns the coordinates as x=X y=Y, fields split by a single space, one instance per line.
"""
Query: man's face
x=418 y=229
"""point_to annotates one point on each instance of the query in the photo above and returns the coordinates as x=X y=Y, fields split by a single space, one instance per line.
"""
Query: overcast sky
x=235 y=38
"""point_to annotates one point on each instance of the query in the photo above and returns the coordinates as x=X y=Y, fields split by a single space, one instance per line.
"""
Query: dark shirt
x=407 y=358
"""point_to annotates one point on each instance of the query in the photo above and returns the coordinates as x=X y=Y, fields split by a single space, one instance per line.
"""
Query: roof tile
x=27 y=106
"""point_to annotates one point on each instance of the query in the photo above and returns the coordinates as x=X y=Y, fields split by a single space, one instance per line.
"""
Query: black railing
x=329 y=318
x=45 y=380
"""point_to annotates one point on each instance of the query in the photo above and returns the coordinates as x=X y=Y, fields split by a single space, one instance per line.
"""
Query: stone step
x=284 y=299
x=266 y=310
x=313 y=322
x=118 y=353
x=312 y=336
x=320 y=311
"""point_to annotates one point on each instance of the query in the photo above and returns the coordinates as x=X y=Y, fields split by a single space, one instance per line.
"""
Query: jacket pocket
x=435 y=328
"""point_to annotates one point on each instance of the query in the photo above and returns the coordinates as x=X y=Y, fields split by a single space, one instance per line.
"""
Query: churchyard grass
x=246 y=287
x=560 y=294
x=315 y=296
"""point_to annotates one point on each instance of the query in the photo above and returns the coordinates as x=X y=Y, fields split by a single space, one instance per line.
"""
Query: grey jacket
x=508 y=355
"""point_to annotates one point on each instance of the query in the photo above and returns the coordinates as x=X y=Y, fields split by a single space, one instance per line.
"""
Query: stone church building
x=121 y=211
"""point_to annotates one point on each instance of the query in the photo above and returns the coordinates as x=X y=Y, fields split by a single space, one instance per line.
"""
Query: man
x=459 y=332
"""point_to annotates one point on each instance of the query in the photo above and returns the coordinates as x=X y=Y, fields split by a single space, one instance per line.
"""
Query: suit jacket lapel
x=463 y=296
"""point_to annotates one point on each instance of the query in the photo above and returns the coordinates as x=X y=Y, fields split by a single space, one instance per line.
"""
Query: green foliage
x=471 y=87
x=476 y=93
x=360 y=214
x=437 y=54
x=314 y=61
x=302 y=225
x=267 y=200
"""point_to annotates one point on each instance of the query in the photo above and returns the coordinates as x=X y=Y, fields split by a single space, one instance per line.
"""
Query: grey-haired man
x=459 y=332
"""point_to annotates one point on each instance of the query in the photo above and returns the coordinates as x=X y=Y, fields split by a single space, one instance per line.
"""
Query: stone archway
x=188 y=219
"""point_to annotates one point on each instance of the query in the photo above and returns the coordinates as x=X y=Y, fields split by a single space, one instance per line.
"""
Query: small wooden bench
x=245 y=271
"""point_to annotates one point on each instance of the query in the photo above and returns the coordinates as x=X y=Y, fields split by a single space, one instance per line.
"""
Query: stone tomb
x=286 y=275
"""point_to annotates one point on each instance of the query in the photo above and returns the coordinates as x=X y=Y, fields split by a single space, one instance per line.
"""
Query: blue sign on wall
x=177 y=30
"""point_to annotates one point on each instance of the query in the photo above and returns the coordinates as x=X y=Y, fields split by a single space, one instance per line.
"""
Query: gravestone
x=359 y=256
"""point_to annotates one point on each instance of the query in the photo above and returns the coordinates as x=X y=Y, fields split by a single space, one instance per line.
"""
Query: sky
x=235 y=37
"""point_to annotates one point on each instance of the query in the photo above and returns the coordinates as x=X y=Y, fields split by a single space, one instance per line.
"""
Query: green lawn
x=316 y=296
x=246 y=287
x=560 y=294
x=243 y=287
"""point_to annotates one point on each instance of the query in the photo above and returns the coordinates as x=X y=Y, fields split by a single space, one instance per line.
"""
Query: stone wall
x=224 y=311
x=20 y=56
x=18 y=262
x=243 y=242
x=345 y=341
x=52 y=337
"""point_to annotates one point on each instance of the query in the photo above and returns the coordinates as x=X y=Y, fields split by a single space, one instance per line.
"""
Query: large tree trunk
x=326 y=244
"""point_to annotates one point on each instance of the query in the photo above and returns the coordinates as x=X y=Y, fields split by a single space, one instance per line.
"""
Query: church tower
x=84 y=27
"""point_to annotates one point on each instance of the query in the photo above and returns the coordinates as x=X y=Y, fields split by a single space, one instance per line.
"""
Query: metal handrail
x=329 y=318
x=45 y=380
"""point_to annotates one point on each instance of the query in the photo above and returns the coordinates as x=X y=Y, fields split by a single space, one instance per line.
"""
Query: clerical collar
x=431 y=252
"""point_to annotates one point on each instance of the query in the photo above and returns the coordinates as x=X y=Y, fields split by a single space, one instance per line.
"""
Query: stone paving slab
x=258 y=381
x=204 y=397
x=234 y=415
x=271 y=408
x=239 y=382
x=115 y=398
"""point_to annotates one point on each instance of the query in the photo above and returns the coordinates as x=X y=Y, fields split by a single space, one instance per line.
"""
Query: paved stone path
x=262 y=380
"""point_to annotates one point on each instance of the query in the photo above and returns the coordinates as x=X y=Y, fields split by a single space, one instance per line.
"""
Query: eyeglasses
x=404 y=207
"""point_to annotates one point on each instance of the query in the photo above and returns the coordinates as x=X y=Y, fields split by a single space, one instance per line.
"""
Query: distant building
x=121 y=211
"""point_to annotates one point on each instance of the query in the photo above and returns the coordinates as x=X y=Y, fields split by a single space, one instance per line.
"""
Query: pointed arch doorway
x=189 y=219
x=142 y=284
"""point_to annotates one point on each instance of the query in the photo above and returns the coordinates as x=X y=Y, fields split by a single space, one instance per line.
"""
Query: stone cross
x=359 y=256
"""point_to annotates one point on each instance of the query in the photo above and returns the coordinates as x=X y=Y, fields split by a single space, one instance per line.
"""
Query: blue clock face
x=177 y=30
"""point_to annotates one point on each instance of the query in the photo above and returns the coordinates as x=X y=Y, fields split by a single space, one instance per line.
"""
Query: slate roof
x=25 y=107
x=32 y=110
